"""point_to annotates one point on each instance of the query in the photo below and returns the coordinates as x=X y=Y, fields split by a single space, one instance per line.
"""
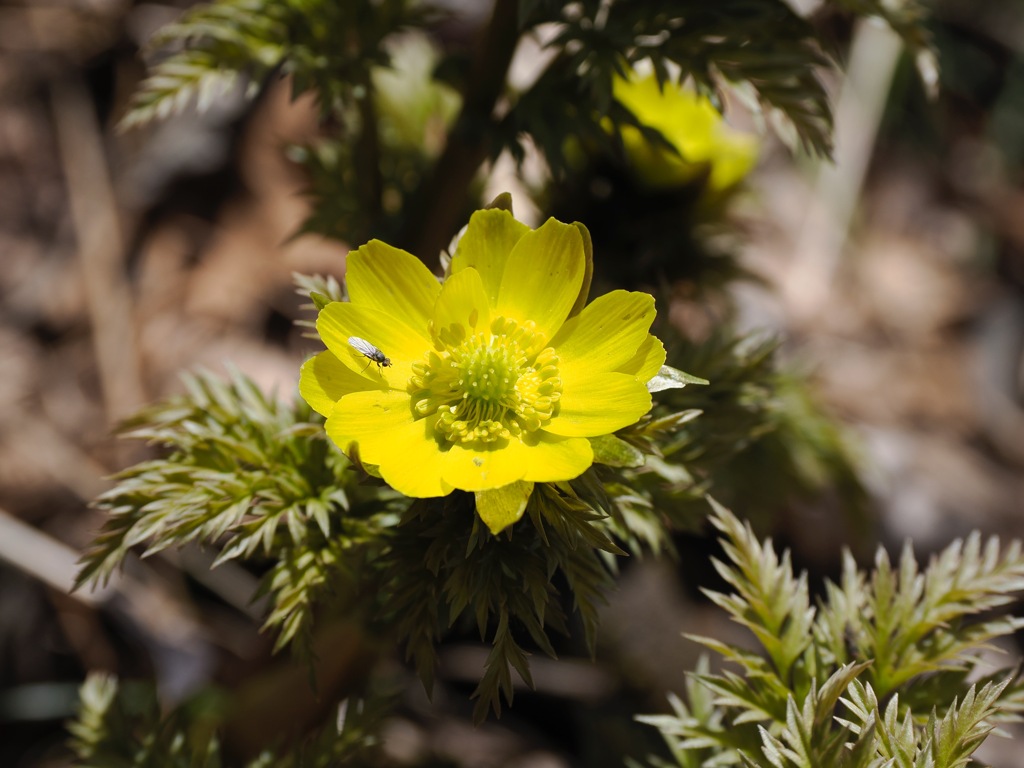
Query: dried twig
x=100 y=247
x=836 y=192
x=33 y=552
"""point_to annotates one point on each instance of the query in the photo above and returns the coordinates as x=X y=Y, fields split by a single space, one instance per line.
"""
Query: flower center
x=488 y=386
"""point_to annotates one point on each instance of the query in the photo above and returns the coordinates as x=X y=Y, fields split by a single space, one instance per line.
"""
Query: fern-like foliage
x=913 y=624
x=220 y=44
x=948 y=741
x=122 y=726
x=876 y=674
x=334 y=189
x=254 y=477
x=444 y=569
x=761 y=52
x=325 y=46
x=761 y=441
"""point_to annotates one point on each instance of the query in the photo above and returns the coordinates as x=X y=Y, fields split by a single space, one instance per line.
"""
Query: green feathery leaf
x=905 y=630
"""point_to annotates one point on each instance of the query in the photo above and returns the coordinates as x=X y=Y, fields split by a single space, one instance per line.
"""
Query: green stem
x=434 y=212
x=368 y=157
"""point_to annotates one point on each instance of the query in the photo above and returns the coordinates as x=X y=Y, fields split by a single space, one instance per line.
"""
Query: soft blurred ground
x=127 y=259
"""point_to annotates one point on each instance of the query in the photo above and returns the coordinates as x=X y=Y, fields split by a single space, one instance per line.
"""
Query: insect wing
x=366 y=348
x=370 y=352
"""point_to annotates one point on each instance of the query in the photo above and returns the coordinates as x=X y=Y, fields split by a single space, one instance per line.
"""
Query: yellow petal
x=549 y=458
x=486 y=245
x=367 y=418
x=647 y=361
x=481 y=469
x=543 y=276
x=406 y=451
x=606 y=334
x=599 y=404
x=399 y=342
x=415 y=461
x=502 y=507
x=588 y=270
x=324 y=380
x=392 y=280
x=463 y=304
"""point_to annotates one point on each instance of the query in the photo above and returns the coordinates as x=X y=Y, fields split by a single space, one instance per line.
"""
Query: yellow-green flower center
x=488 y=386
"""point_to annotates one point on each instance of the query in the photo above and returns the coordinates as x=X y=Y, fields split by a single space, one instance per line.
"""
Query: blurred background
x=895 y=278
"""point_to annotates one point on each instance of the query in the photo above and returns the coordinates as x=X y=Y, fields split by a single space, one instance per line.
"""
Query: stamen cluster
x=489 y=386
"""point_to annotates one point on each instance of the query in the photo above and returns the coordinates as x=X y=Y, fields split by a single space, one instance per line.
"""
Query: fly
x=369 y=351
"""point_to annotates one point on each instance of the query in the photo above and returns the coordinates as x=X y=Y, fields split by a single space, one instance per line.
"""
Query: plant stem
x=435 y=210
x=368 y=157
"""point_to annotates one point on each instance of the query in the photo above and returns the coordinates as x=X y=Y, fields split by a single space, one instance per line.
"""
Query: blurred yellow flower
x=497 y=377
x=692 y=125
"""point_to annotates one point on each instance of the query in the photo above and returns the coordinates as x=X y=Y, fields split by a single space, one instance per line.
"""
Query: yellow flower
x=692 y=125
x=497 y=377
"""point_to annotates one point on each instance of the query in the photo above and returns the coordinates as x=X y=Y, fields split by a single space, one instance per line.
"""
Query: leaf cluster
x=122 y=726
x=883 y=670
x=445 y=570
x=258 y=480
x=761 y=441
x=760 y=52
x=326 y=47
x=335 y=183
